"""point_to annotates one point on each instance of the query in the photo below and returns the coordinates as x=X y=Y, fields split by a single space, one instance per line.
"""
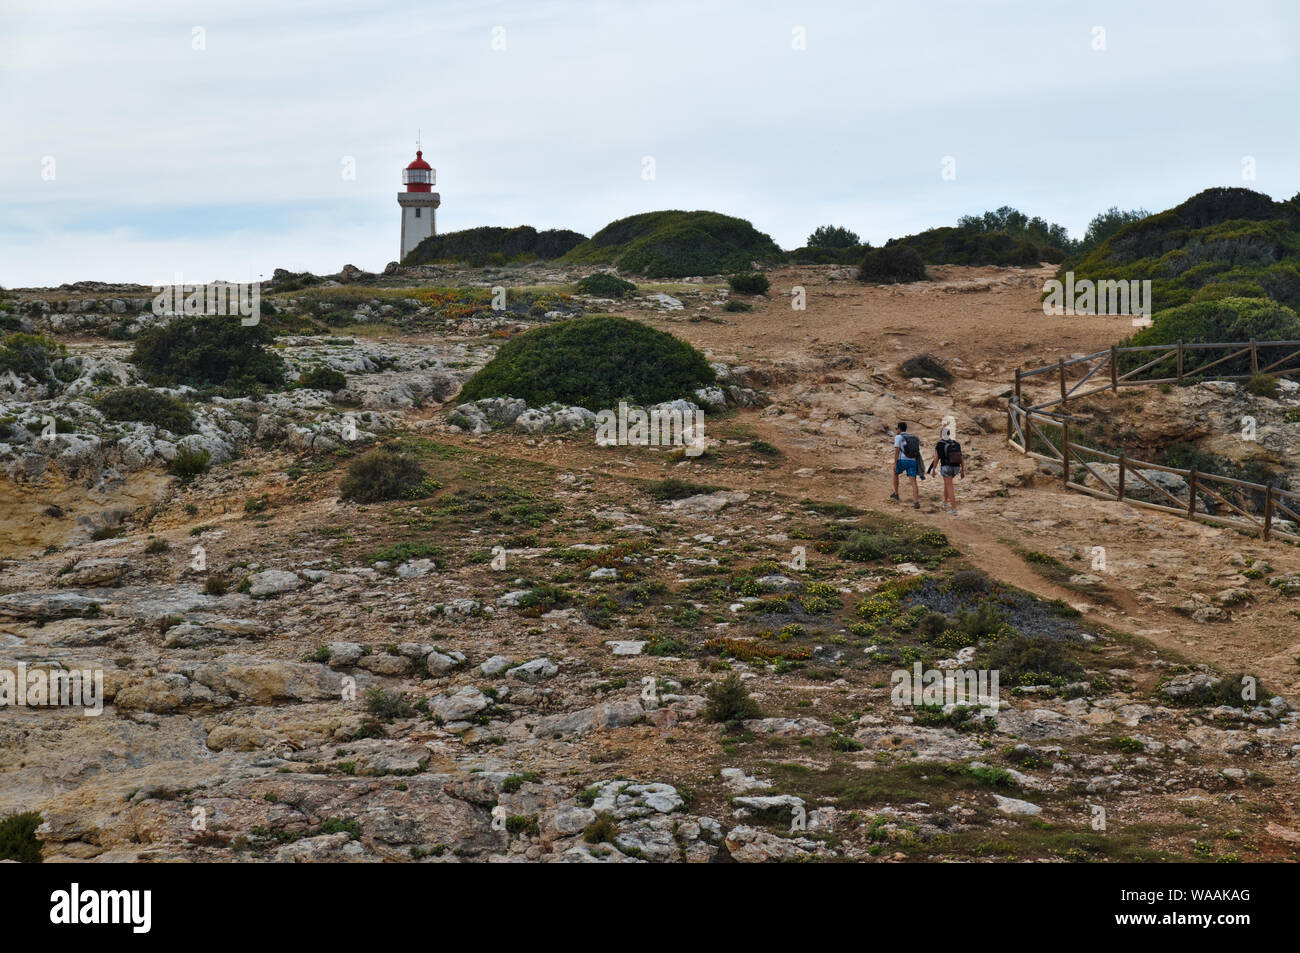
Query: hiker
x=948 y=458
x=907 y=459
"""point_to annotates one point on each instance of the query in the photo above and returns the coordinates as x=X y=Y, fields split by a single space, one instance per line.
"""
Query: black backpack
x=912 y=446
x=949 y=453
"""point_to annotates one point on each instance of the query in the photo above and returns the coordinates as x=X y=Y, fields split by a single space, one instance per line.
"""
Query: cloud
x=230 y=156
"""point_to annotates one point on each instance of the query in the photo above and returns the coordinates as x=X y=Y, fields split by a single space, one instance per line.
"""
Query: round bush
x=893 y=264
x=601 y=285
x=211 y=353
x=749 y=283
x=385 y=474
x=323 y=378
x=1221 y=320
x=675 y=244
x=31 y=355
x=594 y=363
x=146 y=406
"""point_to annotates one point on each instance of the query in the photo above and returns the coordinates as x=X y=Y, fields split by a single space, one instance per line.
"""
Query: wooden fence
x=1046 y=435
x=1105 y=366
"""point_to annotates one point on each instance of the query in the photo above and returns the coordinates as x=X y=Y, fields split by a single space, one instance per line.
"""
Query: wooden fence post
x=1114 y=369
x=1268 y=511
x=1254 y=357
x=1180 y=361
x=1191 y=494
x=1120 y=494
x=1061 y=366
x=1065 y=454
x=1018 y=402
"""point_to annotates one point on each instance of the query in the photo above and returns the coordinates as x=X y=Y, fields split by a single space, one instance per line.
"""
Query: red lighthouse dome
x=418 y=176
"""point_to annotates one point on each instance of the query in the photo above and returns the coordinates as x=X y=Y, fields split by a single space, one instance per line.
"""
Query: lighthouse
x=418 y=203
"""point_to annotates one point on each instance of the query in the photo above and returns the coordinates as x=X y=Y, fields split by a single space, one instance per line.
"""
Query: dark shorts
x=905 y=465
x=949 y=471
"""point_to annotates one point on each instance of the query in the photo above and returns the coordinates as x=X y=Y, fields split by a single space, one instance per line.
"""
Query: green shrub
x=215 y=585
x=993 y=777
x=323 y=378
x=189 y=462
x=213 y=353
x=932 y=625
x=1262 y=385
x=592 y=362
x=386 y=705
x=833 y=236
x=147 y=406
x=1220 y=244
x=864 y=547
x=18 y=838
x=385 y=474
x=601 y=285
x=893 y=264
x=514 y=782
x=1025 y=661
x=1230 y=690
x=672 y=488
x=32 y=356
x=1224 y=320
x=493 y=245
x=677 y=244
x=926 y=365
x=602 y=830
x=986 y=620
x=968 y=581
x=826 y=256
x=1229 y=289
x=737 y=307
x=729 y=700
x=967 y=246
x=749 y=283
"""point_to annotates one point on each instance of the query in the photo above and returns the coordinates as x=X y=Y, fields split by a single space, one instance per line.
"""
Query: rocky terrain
x=568 y=652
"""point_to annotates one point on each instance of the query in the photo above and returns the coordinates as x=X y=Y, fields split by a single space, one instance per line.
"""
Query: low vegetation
x=148 y=406
x=215 y=354
x=18 y=838
x=676 y=244
x=749 y=283
x=384 y=474
x=602 y=285
x=490 y=245
x=592 y=362
x=894 y=264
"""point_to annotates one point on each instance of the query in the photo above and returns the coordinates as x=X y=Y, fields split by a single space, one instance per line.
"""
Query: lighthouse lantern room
x=418 y=202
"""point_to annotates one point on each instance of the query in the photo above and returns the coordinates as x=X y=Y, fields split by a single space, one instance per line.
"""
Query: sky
x=140 y=140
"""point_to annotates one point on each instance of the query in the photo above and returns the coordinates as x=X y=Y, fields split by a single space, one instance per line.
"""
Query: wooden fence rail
x=1072 y=377
x=1046 y=436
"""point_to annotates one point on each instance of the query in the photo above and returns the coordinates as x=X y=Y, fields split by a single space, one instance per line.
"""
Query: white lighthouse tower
x=418 y=203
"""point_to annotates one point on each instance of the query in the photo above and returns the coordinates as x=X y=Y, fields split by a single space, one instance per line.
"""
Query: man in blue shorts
x=907 y=459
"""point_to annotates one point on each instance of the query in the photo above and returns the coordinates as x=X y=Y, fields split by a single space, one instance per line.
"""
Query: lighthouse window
x=417 y=211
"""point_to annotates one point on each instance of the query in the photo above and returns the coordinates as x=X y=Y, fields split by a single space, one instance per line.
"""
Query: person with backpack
x=951 y=463
x=908 y=460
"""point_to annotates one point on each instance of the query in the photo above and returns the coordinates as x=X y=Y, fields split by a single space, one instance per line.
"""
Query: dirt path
x=837 y=393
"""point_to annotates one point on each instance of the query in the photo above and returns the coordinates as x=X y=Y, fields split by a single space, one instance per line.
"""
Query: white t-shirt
x=898 y=443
